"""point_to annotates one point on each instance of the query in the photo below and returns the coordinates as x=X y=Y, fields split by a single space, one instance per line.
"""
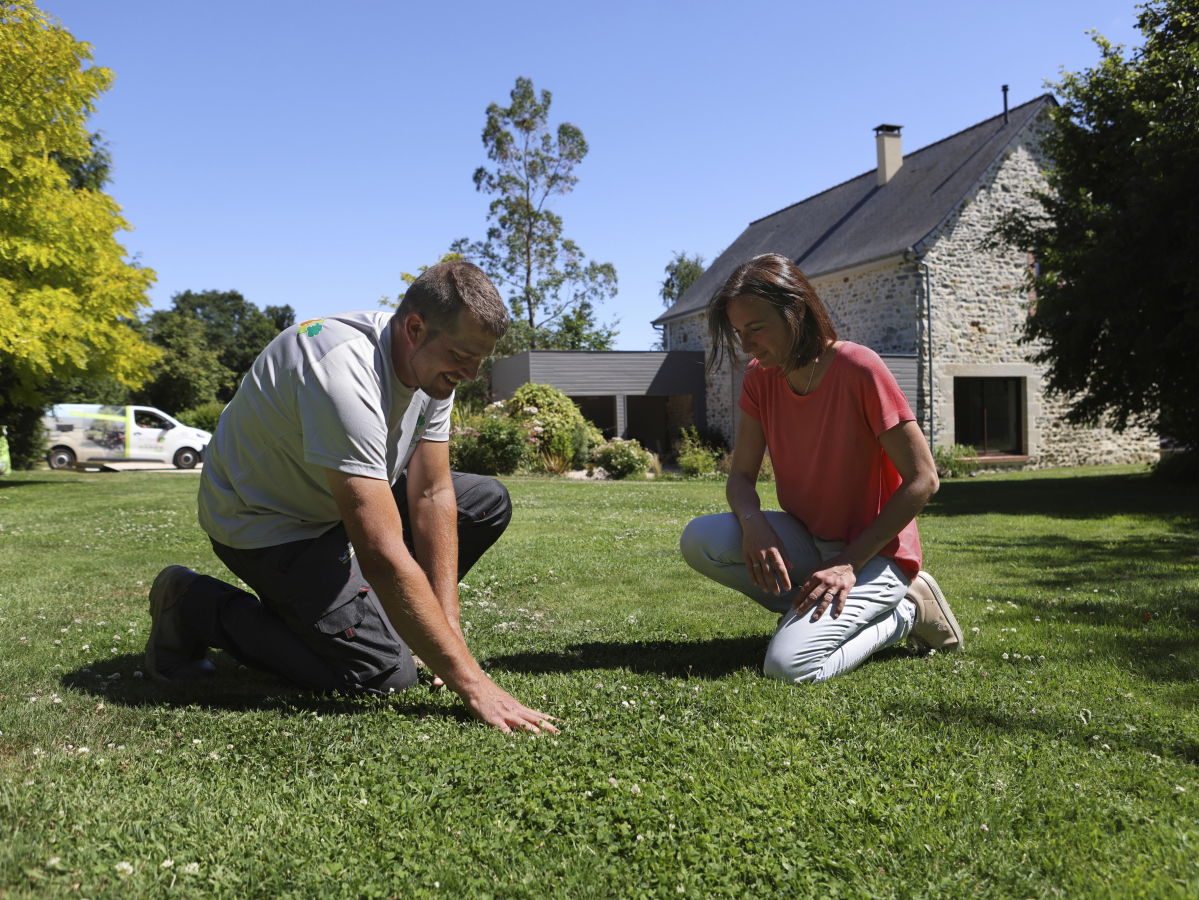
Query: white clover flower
x=612 y=781
x=82 y=750
x=983 y=828
x=586 y=793
x=167 y=863
x=1180 y=789
x=85 y=647
x=1005 y=656
x=195 y=740
x=124 y=869
x=191 y=868
x=53 y=861
x=635 y=789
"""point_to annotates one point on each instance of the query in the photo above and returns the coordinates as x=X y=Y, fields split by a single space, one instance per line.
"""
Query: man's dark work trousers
x=316 y=621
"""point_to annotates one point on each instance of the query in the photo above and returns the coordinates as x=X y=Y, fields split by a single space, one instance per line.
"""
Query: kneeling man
x=327 y=490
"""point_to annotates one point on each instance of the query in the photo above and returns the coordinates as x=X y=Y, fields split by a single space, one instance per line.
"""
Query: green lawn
x=1055 y=757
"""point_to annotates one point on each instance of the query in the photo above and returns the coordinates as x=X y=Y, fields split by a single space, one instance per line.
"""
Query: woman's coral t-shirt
x=830 y=470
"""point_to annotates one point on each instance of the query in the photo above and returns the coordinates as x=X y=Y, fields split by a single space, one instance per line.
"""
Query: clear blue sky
x=307 y=153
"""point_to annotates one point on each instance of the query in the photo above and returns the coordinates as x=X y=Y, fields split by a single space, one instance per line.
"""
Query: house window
x=988 y=415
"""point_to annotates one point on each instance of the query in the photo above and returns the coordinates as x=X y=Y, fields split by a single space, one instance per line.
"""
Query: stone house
x=896 y=254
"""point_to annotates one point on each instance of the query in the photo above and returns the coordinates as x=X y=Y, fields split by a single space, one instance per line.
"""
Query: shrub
x=695 y=456
x=955 y=460
x=551 y=463
x=621 y=458
x=766 y=473
x=204 y=416
x=1180 y=467
x=586 y=437
x=493 y=445
x=655 y=464
x=695 y=461
x=557 y=424
x=724 y=465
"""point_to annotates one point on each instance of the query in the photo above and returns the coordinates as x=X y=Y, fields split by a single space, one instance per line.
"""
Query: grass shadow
x=711 y=659
x=1077 y=497
x=234 y=690
x=952 y=716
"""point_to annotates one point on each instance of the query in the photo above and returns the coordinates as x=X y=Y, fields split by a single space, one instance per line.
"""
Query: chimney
x=890 y=152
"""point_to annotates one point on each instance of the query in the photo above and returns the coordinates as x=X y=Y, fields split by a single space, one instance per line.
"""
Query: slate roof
x=859 y=221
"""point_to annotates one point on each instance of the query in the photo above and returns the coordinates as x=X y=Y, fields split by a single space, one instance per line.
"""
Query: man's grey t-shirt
x=322 y=395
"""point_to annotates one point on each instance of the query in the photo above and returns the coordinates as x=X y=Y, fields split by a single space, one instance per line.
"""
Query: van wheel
x=186 y=458
x=61 y=458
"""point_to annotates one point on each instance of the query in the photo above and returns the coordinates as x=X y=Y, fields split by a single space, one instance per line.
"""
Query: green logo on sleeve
x=311 y=328
x=420 y=424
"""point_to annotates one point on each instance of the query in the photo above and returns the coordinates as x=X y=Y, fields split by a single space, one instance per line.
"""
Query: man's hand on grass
x=492 y=705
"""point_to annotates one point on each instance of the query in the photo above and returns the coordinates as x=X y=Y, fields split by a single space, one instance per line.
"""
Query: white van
x=87 y=431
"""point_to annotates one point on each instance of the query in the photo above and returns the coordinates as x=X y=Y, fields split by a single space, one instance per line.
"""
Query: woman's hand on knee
x=828 y=586
x=765 y=556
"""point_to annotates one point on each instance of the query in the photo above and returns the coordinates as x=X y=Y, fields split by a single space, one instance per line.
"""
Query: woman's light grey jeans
x=874 y=617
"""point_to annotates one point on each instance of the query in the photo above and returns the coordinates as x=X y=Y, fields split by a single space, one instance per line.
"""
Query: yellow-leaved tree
x=68 y=290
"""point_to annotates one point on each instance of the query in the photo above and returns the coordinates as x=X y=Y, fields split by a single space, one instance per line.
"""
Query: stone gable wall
x=979 y=306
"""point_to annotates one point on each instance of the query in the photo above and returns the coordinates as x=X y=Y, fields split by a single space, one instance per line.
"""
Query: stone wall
x=876 y=307
x=979 y=306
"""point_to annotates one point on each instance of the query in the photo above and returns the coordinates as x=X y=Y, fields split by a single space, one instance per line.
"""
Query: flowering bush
x=620 y=458
x=557 y=425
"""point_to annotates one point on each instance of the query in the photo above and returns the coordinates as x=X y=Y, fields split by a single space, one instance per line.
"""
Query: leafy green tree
x=681 y=272
x=546 y=275
x=67 y=288
x=190 y=372
x=1116 y=236
x=235 y=328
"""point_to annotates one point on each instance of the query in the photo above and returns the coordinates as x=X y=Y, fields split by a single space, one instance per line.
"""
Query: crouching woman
x=841 y=563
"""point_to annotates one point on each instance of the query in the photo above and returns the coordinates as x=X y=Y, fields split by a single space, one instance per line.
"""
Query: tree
x=408 y=278
x=67 y=288
x=681 y=272
x=1116 y=236
x=546 y=275
x=234 y=328
x=190 y=371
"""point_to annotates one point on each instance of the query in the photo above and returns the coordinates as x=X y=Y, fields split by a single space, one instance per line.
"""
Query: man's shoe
x=935 y=628
x=170 y=654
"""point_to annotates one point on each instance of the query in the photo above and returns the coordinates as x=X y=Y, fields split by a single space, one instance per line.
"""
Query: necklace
x=810 y=377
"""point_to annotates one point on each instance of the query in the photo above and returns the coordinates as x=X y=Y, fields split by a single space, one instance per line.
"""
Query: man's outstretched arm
x=372 y=521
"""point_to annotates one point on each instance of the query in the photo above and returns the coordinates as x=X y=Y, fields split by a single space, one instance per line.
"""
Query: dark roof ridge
x=906 y=156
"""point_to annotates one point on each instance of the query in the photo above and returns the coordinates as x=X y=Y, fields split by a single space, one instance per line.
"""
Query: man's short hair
x=442 y=291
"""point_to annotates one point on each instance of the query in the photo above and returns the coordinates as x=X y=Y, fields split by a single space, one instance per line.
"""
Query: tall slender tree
x=546 y=275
